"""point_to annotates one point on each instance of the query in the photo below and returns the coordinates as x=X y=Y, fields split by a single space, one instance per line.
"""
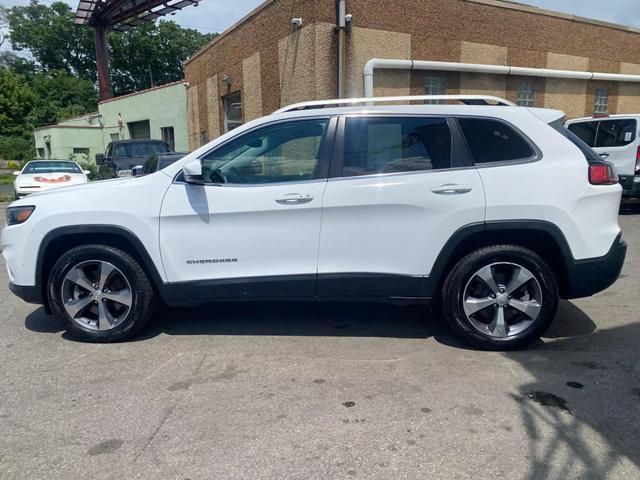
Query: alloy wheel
x=96 y=295
x=502 y=299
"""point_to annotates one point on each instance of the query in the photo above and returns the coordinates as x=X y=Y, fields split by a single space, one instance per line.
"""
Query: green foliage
x=13 y=165
x=17 y=147
x=7 y=178
x=92 y=167
x=153 y=50
x=16 y=100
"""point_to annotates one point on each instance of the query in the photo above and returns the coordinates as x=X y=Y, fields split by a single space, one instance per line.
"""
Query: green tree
x=152 y=51
x=16 y=100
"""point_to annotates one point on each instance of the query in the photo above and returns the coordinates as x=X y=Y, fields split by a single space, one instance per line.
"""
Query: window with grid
x=602 y=101
x=435 y=86
x=526 y=95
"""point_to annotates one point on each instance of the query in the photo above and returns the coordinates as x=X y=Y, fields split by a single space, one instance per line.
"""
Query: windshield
x=51 y=167
x=140 y=149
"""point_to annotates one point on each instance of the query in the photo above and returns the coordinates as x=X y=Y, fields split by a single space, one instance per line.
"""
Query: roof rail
x=466 y=99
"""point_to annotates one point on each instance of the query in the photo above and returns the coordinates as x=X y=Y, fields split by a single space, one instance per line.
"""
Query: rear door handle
x=294 y=199
x=604 y=155
x=452 y=189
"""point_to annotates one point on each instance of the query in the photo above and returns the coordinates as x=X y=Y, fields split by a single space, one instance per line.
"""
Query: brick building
x=266 y=61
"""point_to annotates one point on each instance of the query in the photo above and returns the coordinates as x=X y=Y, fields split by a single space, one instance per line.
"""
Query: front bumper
x=588 y=277
x=28 y=294
x=630 y=185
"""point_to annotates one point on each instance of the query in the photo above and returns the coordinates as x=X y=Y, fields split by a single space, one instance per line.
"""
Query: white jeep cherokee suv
x=496 y=211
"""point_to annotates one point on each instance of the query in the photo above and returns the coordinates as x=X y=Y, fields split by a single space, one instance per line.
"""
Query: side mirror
x=99 y=159
x=16 y=173
x=192 y=171
x=137 y=170
x=86 y=172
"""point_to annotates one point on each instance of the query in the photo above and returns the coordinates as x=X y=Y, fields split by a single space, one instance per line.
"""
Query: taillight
x=602 y=173
x=638 y=162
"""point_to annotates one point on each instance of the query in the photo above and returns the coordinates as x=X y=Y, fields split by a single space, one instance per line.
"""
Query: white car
x=615 y=138
x=41 y=175
x=496 y=211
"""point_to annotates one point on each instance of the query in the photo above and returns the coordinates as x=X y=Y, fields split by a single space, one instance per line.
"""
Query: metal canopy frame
x=120 y=15
x=123 y=15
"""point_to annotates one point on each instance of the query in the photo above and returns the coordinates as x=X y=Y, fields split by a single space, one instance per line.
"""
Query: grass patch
x=6 y=178
x=6 y=197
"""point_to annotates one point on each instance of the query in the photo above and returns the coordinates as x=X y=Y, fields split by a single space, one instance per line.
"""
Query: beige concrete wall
x=326 y=52
x=213 y=106
x=479 y=84
x=365 y=44
x=482 y=53
x=628 y=98
x=296 y=57
x=193 y=117
x=251 y=88
x=566 y=95
x=558 y=61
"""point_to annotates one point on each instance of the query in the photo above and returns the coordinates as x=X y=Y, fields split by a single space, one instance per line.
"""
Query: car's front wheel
x=101 y=292
x=500 y=297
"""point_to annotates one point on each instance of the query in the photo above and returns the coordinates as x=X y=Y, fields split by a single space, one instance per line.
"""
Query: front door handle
x=294 y=199
x=452 y=189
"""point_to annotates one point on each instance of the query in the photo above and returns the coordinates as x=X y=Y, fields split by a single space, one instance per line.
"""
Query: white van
x=614 y=138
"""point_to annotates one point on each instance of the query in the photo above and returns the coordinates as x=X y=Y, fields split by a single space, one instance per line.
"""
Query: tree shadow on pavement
x=584 y=401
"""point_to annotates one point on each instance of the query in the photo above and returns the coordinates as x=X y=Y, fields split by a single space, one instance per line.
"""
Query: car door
x=252 y=230
x=399 y=189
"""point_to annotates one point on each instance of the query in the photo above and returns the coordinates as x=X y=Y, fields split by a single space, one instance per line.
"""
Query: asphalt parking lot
x=327 y=391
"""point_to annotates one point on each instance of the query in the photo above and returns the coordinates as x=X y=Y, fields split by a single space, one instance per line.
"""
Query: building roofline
x=146 y=90
x=493 y=3
x=253 y=12
x=552 y=13
x=57 y=125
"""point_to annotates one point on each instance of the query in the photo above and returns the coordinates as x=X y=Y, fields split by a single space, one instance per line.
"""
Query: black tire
x=142 y=303
x=462 y=273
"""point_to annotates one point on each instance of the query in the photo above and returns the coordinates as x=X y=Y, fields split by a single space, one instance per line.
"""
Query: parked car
x=614 y=138
x=122 y=156
x=156 y=162
x=496 y=211
x=41 y=175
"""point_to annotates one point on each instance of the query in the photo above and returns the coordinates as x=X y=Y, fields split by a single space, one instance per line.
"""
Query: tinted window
x=389 y=145
x=51 y=167
x=286 y=152
x=493 y=141
x=585 y=131
x=616 y=133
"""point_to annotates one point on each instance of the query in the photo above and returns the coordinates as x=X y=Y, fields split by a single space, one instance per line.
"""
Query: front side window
x=435 y=86
x=526 y=95
x=285 y=152
x=602 y=102
x=391 y=145
x=492 y=141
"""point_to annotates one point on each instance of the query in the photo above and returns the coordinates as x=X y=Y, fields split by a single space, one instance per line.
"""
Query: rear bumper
x=630 y=185
x=28 y=294
x=588 y=277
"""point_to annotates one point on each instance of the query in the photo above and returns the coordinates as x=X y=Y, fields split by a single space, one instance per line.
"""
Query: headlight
x=17 y=215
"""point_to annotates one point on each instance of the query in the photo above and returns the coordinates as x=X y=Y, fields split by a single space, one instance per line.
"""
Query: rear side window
x=589 y=154
x=391 y=145
x=606 y=133
x=491 y=141
x=585 y=131
x=616 y=133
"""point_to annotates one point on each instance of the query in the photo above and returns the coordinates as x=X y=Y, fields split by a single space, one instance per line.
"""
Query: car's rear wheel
x=101 y=292
x=500 y=298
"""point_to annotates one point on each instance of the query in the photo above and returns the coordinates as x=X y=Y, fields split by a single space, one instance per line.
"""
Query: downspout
x=379 y=63
x=341 y=26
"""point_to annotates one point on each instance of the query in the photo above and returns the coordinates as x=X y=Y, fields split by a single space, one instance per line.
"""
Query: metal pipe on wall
x=341 y=26
x=380 y=63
